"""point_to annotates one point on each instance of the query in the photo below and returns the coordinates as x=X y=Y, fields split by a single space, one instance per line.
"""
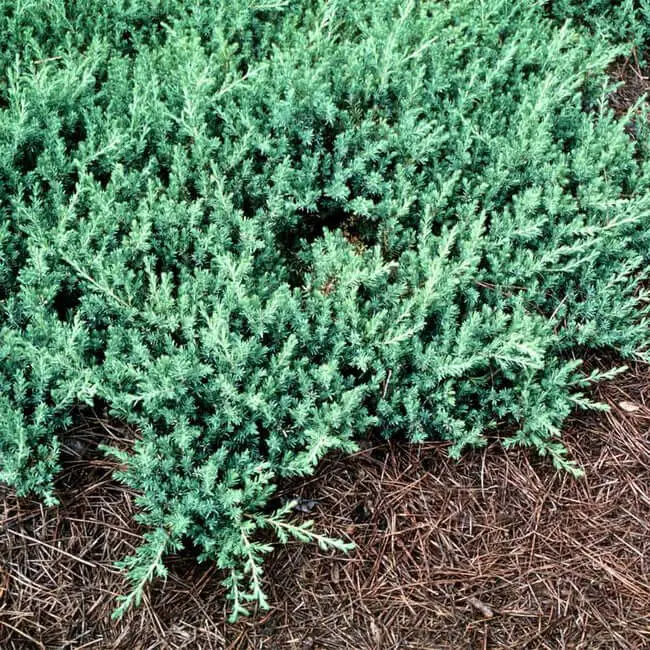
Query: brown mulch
x=497 y=551
x=635 y=82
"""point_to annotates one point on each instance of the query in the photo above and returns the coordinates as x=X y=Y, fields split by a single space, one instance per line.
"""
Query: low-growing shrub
x=261 y=231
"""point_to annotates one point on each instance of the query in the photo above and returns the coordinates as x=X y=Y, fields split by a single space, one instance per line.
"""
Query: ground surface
x=499 y=551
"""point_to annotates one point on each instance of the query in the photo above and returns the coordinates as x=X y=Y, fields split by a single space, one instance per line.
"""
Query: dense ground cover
x=260 y=232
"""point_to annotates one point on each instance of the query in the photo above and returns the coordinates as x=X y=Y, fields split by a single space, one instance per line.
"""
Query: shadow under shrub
x=258 y=232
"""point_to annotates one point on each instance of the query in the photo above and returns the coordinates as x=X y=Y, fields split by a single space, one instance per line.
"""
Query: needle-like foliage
x=260 y=231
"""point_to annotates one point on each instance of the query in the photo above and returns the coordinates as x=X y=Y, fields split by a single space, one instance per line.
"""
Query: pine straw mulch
x=634 y=81
x=497 y=551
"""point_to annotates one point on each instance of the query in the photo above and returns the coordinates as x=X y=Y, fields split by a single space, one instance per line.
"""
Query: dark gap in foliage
x=163 y=173
x=100 y=173
x=328 y=216
x=294 y=242
x=431 y=329
x=99 y=352
x=41 y=187
x=74 y=135
x=26 y=158
x=192 y=191
x=331 y=216
x=70 y=180
x=101 y=78
x=126 y=43
x=67 y=300
x=249 y=205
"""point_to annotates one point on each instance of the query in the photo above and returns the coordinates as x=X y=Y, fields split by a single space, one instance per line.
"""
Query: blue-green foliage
x=620 y=20
x=259 y=231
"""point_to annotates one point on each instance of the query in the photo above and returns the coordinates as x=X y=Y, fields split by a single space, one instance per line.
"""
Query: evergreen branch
x=267 y=6
x=302 y=532
x=254 y=569
x=85 y=276
x=142 y=567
